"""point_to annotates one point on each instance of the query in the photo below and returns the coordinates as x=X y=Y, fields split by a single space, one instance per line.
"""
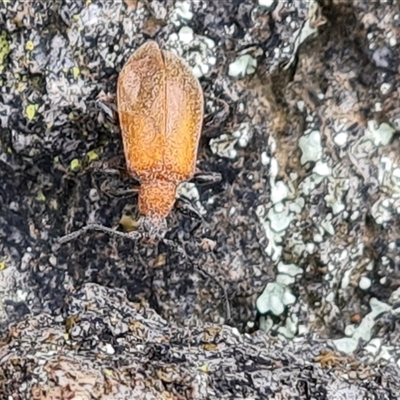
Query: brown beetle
x=160 y=105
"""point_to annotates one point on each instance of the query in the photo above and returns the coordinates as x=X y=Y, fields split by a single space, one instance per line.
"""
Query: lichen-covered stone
x=328 y=70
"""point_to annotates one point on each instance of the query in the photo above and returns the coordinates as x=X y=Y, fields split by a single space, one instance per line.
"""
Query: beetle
x=160 y=105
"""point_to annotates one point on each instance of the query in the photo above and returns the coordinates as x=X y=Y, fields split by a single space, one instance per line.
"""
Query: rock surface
x=104 y=347
x=296 y=247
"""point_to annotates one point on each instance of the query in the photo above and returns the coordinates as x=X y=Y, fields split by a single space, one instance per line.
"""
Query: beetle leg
x=111 y=191
x=113 y=166
x=207 y=178
x=107 y=103
x=100 y=228
x=214 y=121
x=116 y=162
x=186 y=207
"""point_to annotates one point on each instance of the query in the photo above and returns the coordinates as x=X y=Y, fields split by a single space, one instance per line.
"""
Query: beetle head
x=154 y=227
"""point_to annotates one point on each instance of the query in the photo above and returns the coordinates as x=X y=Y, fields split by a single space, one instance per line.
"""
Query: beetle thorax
x=156 y=198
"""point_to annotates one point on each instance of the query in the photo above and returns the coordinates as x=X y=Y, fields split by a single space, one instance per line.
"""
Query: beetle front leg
x=206 y=178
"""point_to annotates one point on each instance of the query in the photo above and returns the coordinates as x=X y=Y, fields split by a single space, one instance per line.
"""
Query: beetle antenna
x=100 y=228
x=127 y=235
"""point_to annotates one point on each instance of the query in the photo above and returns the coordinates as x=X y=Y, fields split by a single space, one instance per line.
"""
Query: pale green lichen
x=276 y=222
x=389 y=177
x=379 y=135
x=275 y=298
x=29 y=45
x=395 y=296
x=224 y=145
x=382 y=211
x=76 y=72
x=308 y=185
x=186 y=35
x=266 y=3
x=364 y=330
x=279 y=192
x=322 y=169
x=338 y=185
x=4 y=48
x=285 y=280
x=243 y=134
x=242 y=66
x=92 y=156
x=327 y=225
x=289 y=269
x=40 y=196
x=290 y=329
x=181 y=11
x=280 y=216
x=341 y=139
x=198 y=51
x=21 y=295
x=75 y=165
x=388 y=203
x=311 y=148
x=30 y=111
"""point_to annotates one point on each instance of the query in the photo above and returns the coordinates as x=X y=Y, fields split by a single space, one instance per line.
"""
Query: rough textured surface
x=302 y=115
x=105 y=347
